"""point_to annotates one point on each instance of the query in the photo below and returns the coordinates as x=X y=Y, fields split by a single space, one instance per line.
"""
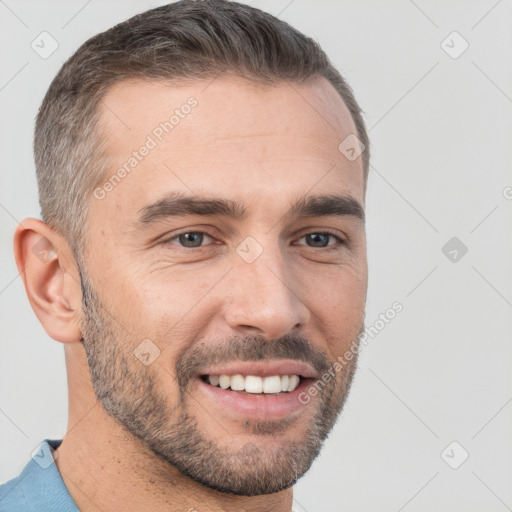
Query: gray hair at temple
x=182 y=41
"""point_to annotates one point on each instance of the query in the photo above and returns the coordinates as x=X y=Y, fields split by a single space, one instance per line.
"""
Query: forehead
x=226 y=136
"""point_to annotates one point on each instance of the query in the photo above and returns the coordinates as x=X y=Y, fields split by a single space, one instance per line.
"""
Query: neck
x=106 y=469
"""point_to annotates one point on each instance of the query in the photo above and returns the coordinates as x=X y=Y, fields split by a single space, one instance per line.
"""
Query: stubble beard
x=130 y=393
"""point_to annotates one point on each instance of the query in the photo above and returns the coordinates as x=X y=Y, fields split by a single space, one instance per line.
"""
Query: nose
x=263 y=299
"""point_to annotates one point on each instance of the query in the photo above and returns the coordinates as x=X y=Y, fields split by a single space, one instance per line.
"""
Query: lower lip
x=256 y=407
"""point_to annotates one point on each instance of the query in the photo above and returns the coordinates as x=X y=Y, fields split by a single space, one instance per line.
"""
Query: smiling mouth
x=273 y=385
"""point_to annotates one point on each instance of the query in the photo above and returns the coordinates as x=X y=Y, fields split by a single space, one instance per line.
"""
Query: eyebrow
x=177 y=204
x=317 y=206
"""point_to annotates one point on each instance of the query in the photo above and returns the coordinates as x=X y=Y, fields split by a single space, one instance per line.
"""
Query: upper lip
x=263 y=368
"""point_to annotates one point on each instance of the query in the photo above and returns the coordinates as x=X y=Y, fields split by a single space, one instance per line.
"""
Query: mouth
x=257 y=390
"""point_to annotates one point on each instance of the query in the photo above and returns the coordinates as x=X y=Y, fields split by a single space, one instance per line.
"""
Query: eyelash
x=339 y=240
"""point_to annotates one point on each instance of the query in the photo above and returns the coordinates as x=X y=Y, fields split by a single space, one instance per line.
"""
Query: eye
x=321 y=240
x=190 y=239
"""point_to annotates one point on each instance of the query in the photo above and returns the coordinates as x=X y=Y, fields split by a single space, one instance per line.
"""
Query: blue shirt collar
x=39 y=486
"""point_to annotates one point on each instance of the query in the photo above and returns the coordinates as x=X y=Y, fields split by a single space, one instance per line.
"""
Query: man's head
x=176 y=43
x=189 y=158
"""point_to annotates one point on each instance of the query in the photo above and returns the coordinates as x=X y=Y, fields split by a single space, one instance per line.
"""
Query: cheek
x=171 y=297
x=340 y=290
x=171 y=310
x=339 y=307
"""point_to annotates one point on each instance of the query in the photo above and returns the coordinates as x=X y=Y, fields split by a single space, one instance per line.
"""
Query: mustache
x=249 y=348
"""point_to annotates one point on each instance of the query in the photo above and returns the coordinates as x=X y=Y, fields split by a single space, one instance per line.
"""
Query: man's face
x=224 y=250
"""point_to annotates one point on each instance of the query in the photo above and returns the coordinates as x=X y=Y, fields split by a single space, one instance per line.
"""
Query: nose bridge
x=261 y=293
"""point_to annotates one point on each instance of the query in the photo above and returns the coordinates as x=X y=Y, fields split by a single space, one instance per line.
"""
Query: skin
x=266 y=147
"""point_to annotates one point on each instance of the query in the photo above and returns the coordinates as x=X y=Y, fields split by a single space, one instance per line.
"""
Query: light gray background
x=441 y=130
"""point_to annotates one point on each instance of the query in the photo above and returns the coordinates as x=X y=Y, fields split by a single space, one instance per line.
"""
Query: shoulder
x=39 y=486
x=12 y=496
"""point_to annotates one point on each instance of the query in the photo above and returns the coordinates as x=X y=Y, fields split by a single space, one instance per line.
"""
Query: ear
x=50 y=275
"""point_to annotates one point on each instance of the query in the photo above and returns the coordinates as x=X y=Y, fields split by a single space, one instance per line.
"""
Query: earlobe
x=46 y=265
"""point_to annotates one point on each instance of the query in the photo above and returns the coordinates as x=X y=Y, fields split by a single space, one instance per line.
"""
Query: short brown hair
x=186 y=40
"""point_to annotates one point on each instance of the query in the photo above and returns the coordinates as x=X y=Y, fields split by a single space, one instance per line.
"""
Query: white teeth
x=224 y=381
x=272 y=384
x=255 y=384
x=293 y=382
x=237 y=383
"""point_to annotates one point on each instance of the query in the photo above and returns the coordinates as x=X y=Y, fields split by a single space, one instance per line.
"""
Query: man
x=202 y=171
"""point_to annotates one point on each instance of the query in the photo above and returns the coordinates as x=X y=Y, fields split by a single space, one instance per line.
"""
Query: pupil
x=191 y=239
x=319 y=239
